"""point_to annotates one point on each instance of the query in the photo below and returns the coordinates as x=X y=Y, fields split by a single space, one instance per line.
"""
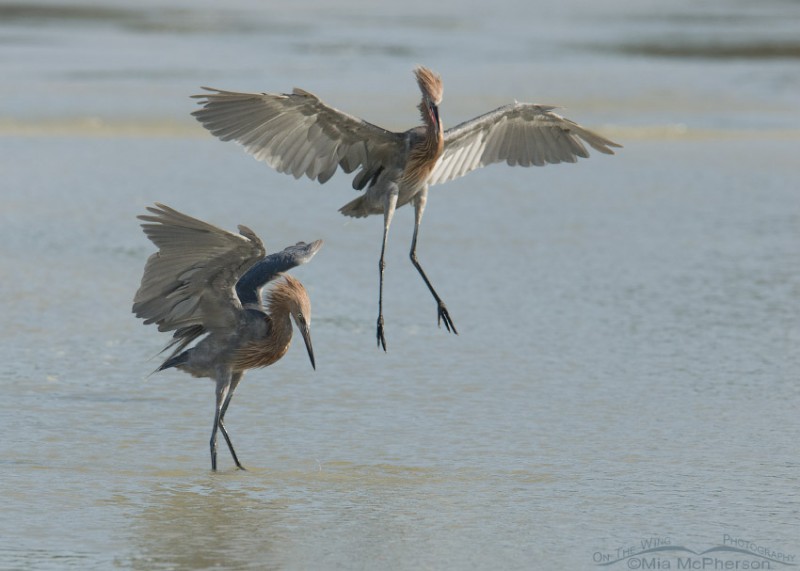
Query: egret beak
x=433 y=109
x=306 y=333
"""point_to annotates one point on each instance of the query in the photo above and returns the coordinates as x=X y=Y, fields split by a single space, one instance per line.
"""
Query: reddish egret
x=298 y=134
x=205 y=281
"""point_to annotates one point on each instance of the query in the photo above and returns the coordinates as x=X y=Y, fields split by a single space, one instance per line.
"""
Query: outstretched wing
x=188 y=285
x=522 y=134
x=297 y=133
x=249 y=286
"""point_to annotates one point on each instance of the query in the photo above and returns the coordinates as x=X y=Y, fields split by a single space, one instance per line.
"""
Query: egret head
x=300 y=310
x=430 y=84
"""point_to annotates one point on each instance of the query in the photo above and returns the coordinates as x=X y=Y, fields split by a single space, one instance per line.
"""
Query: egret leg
x=388 y=213
x=234 y=383
x=223 y=388
x=443 y=315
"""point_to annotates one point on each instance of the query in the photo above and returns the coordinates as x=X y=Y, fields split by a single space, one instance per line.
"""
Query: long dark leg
x=234 y=382
x=443 y=315
x=388 y=213
x=223 y=387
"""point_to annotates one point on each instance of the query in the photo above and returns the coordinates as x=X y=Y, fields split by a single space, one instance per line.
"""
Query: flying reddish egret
x=298 y=134
x=206 y=281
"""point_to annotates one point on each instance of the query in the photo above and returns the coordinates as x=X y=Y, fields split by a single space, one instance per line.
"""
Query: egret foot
x=445 y=316
x=380 y=336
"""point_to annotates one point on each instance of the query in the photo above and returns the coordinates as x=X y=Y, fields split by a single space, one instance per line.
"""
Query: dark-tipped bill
x=433 y=109
x=304 y=331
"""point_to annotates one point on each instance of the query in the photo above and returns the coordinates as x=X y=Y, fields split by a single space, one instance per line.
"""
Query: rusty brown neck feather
x=423 y=156
x=266 y=351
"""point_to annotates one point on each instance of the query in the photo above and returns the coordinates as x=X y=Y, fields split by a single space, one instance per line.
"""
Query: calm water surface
x=627 y=364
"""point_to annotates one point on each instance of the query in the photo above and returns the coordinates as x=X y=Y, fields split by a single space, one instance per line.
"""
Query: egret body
x=298 y=134
x=205 y=284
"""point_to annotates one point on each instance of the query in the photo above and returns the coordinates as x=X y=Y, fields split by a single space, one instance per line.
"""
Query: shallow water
x=627 y=362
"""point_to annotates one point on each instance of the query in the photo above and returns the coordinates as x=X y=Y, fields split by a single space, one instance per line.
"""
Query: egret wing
x=522 y=134
x=297 y=133
x=189 y=283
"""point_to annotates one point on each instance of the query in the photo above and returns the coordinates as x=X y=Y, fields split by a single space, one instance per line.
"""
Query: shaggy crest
x=429 y=83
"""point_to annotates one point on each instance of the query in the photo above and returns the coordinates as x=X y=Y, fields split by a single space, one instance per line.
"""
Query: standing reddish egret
x=298 y=134
x=206 y=281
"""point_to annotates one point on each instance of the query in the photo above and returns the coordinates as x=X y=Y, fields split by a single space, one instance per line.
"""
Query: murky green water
x=627 y=364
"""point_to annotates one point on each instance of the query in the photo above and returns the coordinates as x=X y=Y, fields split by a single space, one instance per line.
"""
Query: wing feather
x=519 y=134
x=458 y=159
x=491 y=154
x=476 y=148
x=271 y=126
x=551 y=147
x=190 y=281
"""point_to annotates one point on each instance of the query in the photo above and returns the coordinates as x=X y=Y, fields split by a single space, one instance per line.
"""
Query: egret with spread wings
x=205 y=282
x=298 y=134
